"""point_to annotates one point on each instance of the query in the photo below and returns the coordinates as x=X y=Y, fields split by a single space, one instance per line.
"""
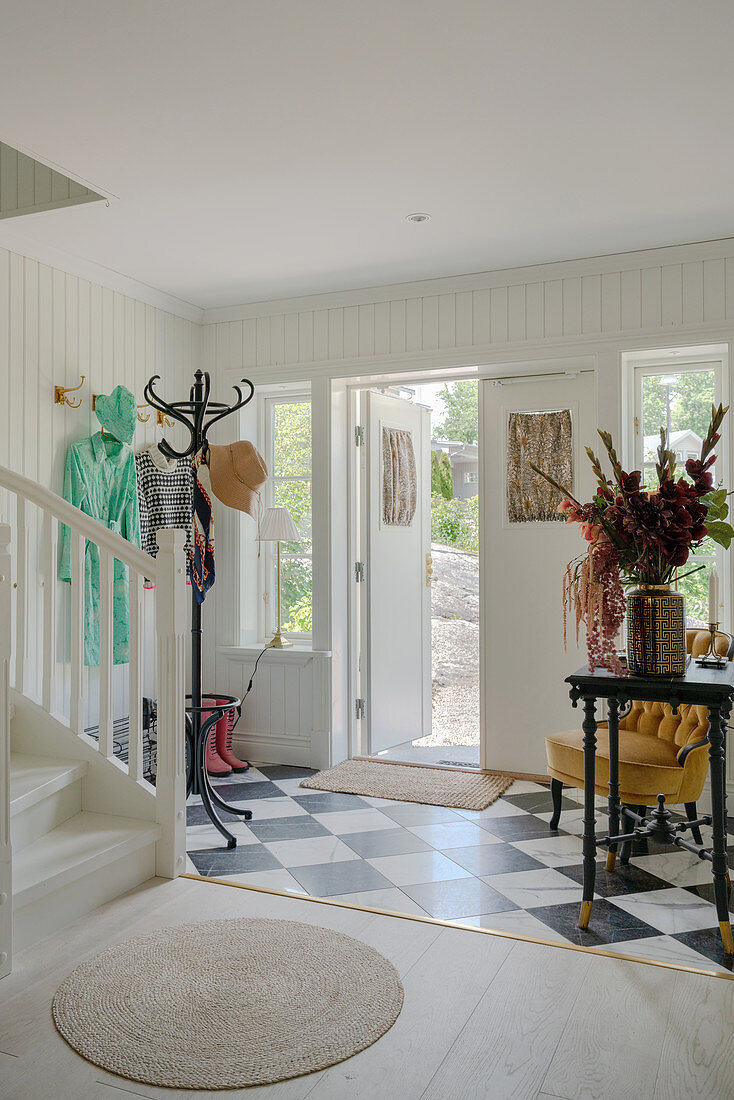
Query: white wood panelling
x=28 y=187
x=555 y=304
x=54 y=328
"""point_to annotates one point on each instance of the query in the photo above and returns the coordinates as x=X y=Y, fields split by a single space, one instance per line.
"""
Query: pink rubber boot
x=225 y=726
x=214 y=763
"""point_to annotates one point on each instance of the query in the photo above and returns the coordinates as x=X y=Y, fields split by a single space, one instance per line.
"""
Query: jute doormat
x=404 y=783
x=224 y=1004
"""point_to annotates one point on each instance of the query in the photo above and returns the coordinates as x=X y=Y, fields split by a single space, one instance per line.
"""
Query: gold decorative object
x=656 y=631
x=162 y=420
x=60 y=393
x=711 y=659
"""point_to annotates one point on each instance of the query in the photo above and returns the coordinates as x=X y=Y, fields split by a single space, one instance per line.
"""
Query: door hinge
x=359 y=571
x=637 y=425
x=359 y=707
x=359 y=437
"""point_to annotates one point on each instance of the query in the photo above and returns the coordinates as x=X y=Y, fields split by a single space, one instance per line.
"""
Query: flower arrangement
x=637 y=535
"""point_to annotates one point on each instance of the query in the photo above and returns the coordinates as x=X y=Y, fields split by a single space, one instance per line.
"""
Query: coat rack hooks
x=60 y=393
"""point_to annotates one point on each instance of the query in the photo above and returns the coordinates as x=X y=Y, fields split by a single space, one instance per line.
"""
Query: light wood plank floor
x=484 y=1016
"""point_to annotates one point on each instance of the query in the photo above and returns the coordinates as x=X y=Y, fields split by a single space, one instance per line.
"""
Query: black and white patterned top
x=164 y=496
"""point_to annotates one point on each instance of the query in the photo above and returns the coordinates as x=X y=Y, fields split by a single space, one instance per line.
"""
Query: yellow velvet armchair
x=659 y=752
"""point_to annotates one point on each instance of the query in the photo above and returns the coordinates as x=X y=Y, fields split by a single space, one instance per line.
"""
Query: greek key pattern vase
x=656 y=631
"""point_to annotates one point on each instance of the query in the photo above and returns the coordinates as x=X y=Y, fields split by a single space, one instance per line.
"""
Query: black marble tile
x=197 y=815
x=385 y=842
x=517 y=827
x=247 y=791
x=324 y=802
x=220 y=862
x=538 y=802
x=284 y=771
x=706 y=892
x=625 y=879
x=707 y=941
x=347 y=876
x=456 y=898
x=608 y=924
x=492 y=859
x=287 y=828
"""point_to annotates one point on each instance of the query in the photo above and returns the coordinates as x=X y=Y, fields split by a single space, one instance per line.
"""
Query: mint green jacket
x=100 y=480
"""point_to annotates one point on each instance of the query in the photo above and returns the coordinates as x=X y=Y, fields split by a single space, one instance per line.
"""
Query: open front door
x=396 y=640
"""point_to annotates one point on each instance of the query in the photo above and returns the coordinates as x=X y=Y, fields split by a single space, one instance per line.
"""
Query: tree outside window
x=290 y=487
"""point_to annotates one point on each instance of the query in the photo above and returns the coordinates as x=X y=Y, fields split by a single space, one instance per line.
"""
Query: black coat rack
x=197 y=415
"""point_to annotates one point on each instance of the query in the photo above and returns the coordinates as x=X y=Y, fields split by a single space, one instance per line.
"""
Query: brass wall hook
x=162 y=420
x=60 y=393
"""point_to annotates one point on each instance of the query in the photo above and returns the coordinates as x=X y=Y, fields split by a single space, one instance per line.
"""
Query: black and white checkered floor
x=498 y=868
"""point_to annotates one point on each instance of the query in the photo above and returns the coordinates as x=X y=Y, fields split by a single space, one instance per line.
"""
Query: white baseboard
x=273 y=749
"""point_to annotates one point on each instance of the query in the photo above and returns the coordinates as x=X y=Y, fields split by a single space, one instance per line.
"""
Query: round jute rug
x=228 y=1003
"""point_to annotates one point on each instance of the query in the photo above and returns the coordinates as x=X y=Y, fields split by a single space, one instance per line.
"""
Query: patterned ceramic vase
x=656 y=631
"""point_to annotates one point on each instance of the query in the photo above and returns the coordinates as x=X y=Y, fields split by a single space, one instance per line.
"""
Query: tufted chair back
x=691 y=723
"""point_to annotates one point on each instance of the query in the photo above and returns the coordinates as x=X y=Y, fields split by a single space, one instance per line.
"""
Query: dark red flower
x=630 y=483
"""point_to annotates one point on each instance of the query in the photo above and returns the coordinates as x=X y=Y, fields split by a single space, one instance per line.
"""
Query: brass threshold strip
x=464 y=927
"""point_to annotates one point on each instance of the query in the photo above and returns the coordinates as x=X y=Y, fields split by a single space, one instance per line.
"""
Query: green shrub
x=455 y=522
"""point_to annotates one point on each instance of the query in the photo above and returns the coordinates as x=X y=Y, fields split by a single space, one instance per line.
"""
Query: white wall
x=54 y=328
x=582 y=314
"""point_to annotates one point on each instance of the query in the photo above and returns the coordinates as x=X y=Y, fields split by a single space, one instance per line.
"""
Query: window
x=288 y=445
x=678 y=397
x=471 y=477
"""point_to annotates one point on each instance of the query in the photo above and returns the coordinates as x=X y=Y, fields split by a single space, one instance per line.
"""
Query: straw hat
x=237 y=473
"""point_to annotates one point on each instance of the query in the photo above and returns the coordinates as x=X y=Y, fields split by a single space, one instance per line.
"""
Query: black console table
x=712 y=688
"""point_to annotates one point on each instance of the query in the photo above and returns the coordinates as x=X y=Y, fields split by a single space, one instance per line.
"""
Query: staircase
x=78 y=826
x=66 y=860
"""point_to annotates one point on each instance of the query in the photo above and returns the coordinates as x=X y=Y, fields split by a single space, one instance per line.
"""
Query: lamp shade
x=278 y=526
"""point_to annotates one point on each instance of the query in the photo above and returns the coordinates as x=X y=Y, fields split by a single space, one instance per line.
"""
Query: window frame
x=681 y=363
x=268 y=598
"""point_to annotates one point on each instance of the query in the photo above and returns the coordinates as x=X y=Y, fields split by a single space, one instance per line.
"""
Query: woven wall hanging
x=545 y=439
x=399 y=478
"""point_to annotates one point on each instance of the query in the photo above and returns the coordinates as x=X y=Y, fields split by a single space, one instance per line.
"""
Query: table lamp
x=278 y=526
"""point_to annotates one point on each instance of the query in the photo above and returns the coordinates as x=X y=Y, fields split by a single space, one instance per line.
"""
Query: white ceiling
x=268 y=148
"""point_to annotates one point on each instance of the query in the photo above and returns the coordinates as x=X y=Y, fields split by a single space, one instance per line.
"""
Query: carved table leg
x=613 y=802
x=589 y=844
x=717 y=760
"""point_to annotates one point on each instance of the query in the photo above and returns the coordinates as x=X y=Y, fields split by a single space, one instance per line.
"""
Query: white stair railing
x=42 y=651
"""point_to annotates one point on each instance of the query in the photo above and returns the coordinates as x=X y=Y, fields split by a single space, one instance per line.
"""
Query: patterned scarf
x=201 y=552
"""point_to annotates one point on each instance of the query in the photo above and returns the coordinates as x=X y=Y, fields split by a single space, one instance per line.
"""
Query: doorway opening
x=418 y=608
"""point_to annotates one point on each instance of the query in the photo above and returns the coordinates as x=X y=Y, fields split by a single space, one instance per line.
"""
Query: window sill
x=299 y=654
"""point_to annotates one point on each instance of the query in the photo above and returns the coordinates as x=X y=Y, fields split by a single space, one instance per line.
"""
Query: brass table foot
x=726 y=937
x=585 y=915
x=611 y=861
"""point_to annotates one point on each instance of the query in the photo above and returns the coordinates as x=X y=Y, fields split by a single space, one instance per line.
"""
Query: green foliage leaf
x=461 y=420
x=720 y=532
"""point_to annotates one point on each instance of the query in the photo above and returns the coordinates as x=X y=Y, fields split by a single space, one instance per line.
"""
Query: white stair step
x=81 y=845
x=33 y=778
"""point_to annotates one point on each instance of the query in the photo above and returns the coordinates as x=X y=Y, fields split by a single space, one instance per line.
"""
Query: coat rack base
x=198 y=780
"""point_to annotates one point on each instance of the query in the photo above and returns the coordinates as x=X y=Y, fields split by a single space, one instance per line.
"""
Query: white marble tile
x=554 y=851
x=532 y=889
x=290 y=786
x=191 y=868
x=277 y=879
x=670 y=911
x=679 y=868
x=416 y=813
x=419 y=867
x=665 y=949
x=393 y=900
x=206 y=836
x=378 y=801
x=308 y=851
x=572 y=821
x=263 y=809
x=516 y=922
x=453 y=834
x=500 y=808
x=355 y=821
